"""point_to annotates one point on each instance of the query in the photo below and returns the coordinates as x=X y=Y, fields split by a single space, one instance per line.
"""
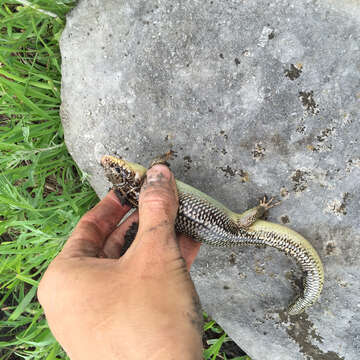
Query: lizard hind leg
x=248 y=217
x=163 y=159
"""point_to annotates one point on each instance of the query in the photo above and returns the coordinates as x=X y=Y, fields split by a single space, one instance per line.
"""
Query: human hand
x=142 y=305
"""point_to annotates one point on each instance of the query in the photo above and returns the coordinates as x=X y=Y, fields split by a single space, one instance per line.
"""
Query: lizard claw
x=267 y=204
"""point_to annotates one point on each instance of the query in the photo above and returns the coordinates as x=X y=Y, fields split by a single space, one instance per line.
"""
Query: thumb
x=158 y=206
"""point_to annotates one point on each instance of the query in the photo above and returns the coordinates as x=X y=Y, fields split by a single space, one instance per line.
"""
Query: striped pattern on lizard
x=208 y=221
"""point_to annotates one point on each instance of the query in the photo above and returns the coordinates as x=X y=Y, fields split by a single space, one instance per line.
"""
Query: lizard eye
x=118 y=170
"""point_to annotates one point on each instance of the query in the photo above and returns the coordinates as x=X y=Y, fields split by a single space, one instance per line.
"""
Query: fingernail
x=158 y=173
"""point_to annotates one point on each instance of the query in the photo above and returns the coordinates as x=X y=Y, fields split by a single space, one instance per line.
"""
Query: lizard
x=208 y=221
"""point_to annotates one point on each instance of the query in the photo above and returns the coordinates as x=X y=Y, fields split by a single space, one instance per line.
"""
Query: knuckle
x=158 y=202
x=158 y=195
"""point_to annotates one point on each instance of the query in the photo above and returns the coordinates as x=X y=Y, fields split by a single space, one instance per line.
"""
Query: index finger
x=94 y=227
x=189 y=249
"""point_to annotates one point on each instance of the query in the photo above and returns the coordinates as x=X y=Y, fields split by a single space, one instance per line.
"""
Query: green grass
x=43 y=193
x=215 y=340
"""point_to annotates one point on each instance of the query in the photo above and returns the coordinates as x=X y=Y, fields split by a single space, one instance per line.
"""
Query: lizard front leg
x=248 y=217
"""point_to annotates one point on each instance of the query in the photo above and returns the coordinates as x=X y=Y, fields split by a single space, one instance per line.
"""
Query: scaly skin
x=208 y=221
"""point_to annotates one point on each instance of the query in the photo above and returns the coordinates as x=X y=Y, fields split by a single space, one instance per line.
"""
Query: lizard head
x=125 y=176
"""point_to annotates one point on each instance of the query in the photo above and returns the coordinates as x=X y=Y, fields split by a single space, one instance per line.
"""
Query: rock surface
x=254 y=97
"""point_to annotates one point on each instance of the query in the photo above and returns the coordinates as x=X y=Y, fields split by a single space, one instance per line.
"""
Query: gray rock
x=255 y=97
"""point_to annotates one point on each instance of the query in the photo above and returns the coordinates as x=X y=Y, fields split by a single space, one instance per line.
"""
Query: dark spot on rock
x=330 y=248
x=258 y=152
x=166 y=138
x=210 y=110
x=187 y=161
x=237 y=61
x=285 y=219
x=299 y=177
x=303 y=331
x=296 y=282
x=226 y=287
x=271 y=35
x=284 y=192
x=340 y=207
x=324 y=134
x=307 y=99
x=228 y=171
x=171 y=154
x=345 y=198
x=352 y=164
x=221 y=55
x=127 y=148
x=232 y=259
x=222 y=132
x=293 y=73
x=300 y=129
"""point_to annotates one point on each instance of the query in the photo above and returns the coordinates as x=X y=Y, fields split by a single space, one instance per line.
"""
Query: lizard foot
x=163 y=159
x=268 y=204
